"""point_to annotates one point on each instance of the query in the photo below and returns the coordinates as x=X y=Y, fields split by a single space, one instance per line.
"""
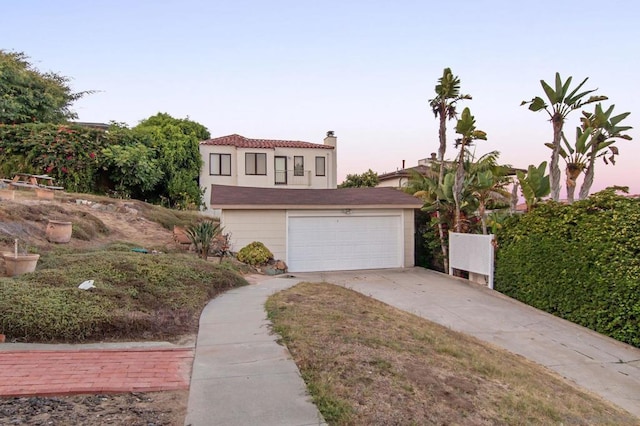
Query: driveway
x=595 y=362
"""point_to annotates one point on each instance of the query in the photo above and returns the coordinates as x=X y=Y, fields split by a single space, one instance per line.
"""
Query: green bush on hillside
x=580 y=262
x=137 y=296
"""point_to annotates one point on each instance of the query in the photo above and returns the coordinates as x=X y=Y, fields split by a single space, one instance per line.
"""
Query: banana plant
x=561 y=104
x=575 y=158
x=534 y=184
x=466 y=127
x=604 y=129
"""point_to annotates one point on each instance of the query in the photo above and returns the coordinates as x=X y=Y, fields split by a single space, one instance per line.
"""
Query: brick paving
x=65 y=372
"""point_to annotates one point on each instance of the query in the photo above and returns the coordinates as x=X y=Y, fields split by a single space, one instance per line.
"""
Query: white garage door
x=344 y=243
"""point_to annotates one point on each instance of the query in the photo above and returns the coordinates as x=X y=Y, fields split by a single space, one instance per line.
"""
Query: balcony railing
x=293 y=177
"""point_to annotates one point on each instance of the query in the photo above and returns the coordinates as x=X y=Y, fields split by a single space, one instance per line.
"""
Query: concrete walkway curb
x=241 y=375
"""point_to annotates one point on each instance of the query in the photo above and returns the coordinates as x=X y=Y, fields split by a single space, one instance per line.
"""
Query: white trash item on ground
x=86 y=285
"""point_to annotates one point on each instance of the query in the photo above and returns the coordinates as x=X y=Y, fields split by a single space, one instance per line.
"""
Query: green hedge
x=580 y=262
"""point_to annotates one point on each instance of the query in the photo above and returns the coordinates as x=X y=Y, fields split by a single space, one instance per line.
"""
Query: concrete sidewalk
x=595 y=362
x=240 y=375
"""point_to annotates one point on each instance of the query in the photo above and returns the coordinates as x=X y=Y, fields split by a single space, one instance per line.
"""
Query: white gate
x=472 y=253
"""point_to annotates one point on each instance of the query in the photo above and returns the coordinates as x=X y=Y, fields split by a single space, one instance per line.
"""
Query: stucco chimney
x=332 y=165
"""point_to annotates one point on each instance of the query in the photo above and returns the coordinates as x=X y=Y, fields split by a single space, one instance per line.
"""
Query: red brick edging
x=65 y=372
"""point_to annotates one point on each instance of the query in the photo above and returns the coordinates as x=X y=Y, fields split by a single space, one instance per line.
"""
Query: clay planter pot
x=180 y=235
x=59 y=232
x=7 y=194
x=22 y=264
x=47 y=194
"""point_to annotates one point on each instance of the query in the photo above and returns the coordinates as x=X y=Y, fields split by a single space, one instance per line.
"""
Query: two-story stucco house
x=235 y=160
x=284 y=194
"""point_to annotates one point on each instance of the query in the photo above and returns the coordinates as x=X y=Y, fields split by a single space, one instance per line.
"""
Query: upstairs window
x=298 y=165
x=220 y=164
x=255 y=163
x=320 y=166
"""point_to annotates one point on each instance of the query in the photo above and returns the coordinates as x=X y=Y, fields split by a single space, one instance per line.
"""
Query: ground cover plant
x=137 y=296
x=579 y=262
x=365 y=363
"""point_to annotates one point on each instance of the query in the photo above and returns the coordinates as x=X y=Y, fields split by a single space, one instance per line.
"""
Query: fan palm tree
x=561 y=104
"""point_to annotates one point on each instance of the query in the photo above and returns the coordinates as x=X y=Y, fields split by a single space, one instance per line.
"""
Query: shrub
x=255 y=254
x=580 y=262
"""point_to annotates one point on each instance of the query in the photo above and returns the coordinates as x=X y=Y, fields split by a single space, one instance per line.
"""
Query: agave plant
x=202 y=234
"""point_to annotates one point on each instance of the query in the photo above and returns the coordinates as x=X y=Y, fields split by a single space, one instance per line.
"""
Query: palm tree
x=466 y=127
x=603 y=128
x=444 y=108
x=561 y=103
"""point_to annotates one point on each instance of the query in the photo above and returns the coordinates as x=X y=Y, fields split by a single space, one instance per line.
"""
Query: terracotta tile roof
x=242 y=142
x=242 y=197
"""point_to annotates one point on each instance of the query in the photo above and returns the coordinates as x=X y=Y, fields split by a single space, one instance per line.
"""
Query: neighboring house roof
x=422 y=169
x=242 y=142
x=243 y=197
x=101 y=126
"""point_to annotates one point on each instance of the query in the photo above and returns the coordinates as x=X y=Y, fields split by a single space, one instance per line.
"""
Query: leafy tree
x=466 y=127
x=131 y=168
x=534 y=184
x=176 y=143
x=366 y=179
x=561 y=104
x=30 y=96
x=444 y=108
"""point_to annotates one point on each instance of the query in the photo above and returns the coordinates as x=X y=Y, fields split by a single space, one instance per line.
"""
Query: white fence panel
x=473 y=253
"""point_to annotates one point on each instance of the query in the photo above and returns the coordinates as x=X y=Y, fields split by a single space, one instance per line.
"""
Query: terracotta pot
x=7 y=194
x=180 y=235
x=47 y=194
x=59 y=232
x=22 y=264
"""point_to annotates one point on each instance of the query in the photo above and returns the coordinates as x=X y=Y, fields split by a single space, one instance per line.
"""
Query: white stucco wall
x=247 y=226
x=240 y=178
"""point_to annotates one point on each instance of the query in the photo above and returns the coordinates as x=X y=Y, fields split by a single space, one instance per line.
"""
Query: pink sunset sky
x=364 y=69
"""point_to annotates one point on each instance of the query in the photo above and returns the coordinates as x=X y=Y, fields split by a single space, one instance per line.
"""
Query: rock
x=281 y=266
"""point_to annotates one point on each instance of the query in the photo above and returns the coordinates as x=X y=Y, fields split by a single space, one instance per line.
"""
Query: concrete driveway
x=598 y=363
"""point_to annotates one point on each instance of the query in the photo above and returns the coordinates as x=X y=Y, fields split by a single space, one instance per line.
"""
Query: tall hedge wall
x=580 y=262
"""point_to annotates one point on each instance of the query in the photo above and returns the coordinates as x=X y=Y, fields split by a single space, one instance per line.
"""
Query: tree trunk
x=443 y=244
x=588 y=177
x=458 y=184
x=570 y=191
x=554 y=168
x=442 y=136
x=514 y=197
x=483 y=219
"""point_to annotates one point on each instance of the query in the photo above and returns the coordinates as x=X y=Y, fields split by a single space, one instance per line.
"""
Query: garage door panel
x=344 y=243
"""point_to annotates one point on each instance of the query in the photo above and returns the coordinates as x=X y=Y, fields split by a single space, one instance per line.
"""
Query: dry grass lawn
x=367 y=363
